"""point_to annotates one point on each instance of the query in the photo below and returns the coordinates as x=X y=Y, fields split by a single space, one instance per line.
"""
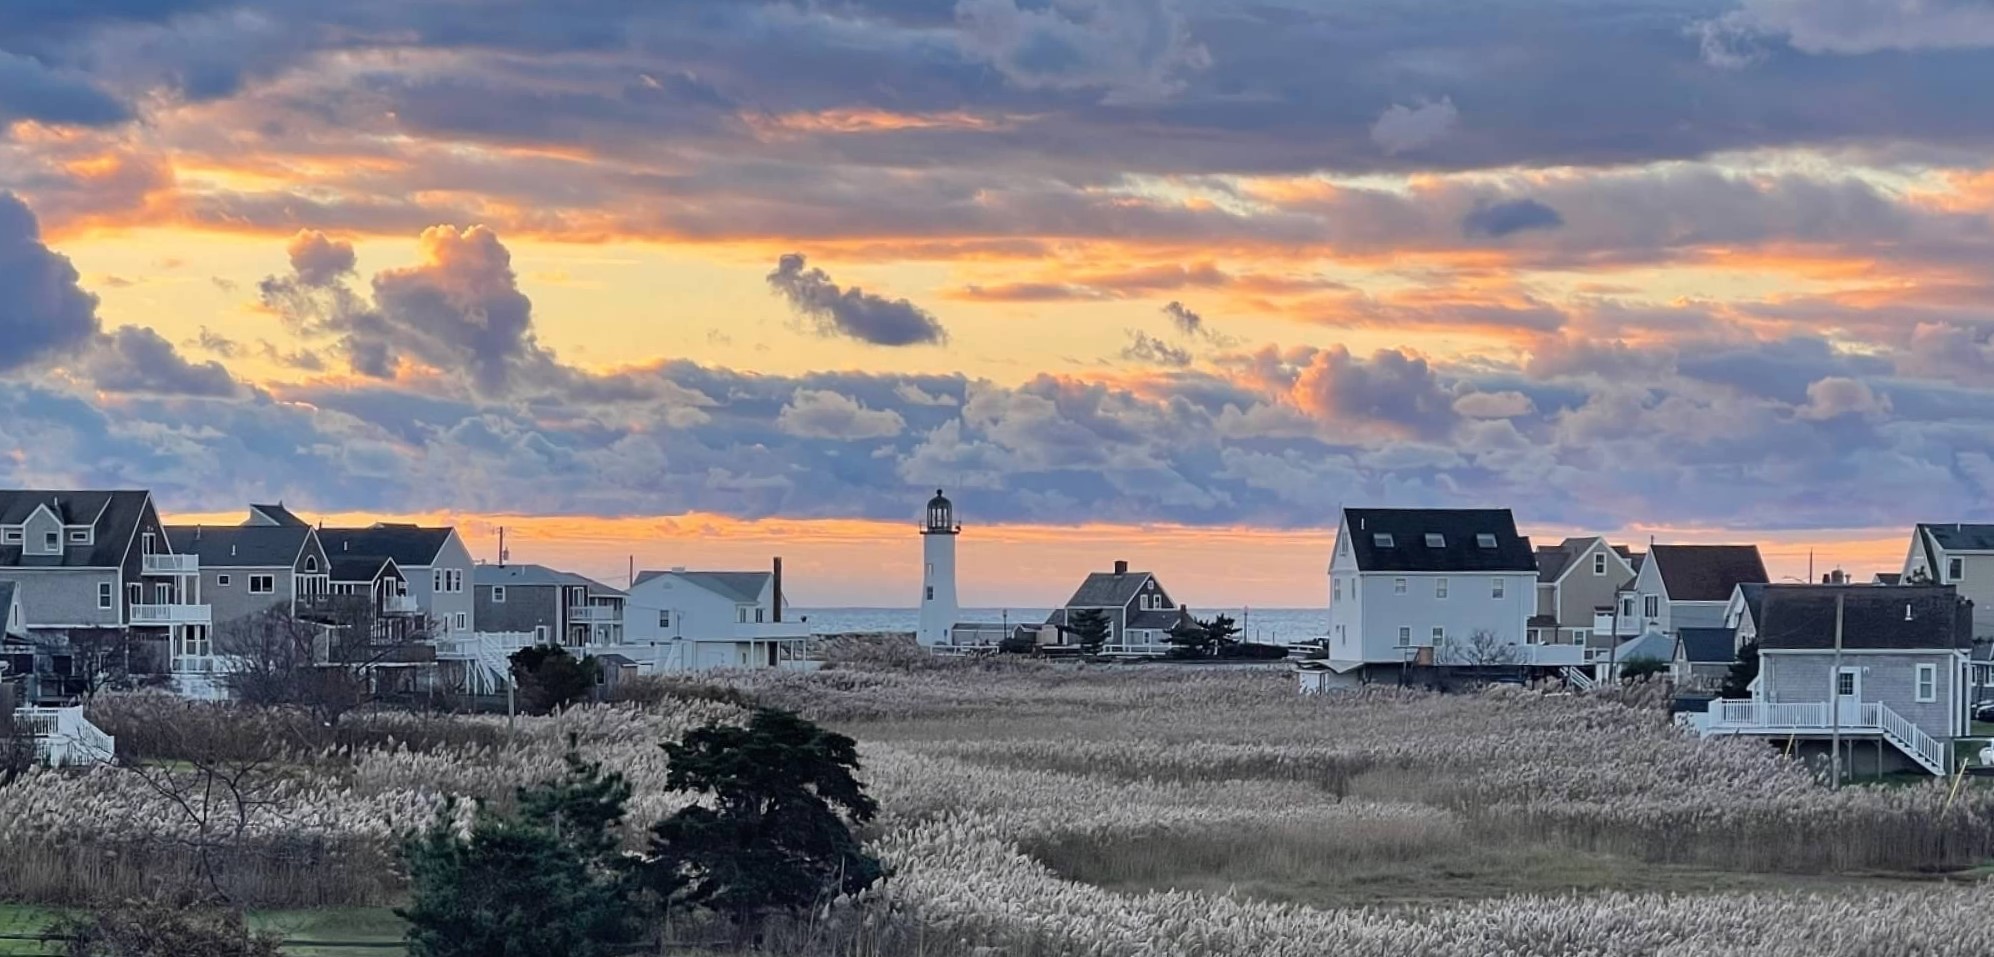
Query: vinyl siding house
x=100 y=561
x=556 y=607
x=1703 y=658
x=1898 y=689
x=1140 y=613
x=1959 y=555
x=434 y=562
x=1689 y=586
x=689 y=620
x=1576 y=580
x=250 y=568
x=1432 y=588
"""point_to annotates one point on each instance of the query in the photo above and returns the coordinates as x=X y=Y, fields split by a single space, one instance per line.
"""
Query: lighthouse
x=938 y=609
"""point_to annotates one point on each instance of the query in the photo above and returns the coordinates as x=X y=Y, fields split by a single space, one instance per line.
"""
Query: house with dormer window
x=261 y=564
x=1429 y=587
x=1140 y=612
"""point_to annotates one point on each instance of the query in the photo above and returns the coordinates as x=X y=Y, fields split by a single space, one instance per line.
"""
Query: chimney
x=1121 y=568
x=778 y=588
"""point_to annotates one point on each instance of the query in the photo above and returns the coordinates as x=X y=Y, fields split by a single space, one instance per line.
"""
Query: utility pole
x=1835 y=700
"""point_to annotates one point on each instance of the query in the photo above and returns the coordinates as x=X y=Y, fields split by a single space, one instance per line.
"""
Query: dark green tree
x=1641 y=669
x=547 y=878
x=1089 y=628
x=550 y=678
x=1203 y=638
x=1738 y=682
x=773 y=838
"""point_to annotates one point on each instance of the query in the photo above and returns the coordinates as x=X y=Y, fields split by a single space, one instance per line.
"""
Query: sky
x=703 y=282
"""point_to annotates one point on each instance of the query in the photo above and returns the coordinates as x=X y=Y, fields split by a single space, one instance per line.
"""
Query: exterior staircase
x=64 y=737
x=1813 y=719
x=1579 y=678
x=1930 y=753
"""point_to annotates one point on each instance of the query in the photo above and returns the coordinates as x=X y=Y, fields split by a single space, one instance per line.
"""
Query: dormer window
x=1382 y=539
x=1436 y=540
x=1485 y=540
x=52 y=541
x=79 y=536
x=11 y=536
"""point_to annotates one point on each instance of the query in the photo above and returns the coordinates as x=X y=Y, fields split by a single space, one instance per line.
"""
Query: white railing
x=63 y=736
x=161 y=564
x=772 y=631
x=170 y=614
x=1551 y=656
x=1580 y=679
x=399 y=604
x=1909 y=736
x=1735 y=712
x=594 y=614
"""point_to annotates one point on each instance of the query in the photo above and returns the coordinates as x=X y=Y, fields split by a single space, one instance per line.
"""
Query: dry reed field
x=1036 y=809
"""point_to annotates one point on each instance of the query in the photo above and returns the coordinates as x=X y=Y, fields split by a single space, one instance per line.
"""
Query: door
x=1848 y=695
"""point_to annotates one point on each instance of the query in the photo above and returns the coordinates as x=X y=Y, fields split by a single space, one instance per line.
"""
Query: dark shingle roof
x=362 y=568
x=1803 y=617
x=241 y=546
x=489 y=575
x=274 y=515
x=409 y=545
x=114 y=515
x=1107 y=590
x=1708 y=646
x=742 y=587
x=1755 y=599
x=1957 y=536
x=1159 y=619
x=1458 y=528
x=1707 y=572
x=1551 y=562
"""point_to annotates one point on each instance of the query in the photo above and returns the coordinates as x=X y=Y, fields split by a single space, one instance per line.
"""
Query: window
x=162 y=594
x=1928 y=682
x=664 y=618
x=105 y=593
x=262 y=584
x=221 y=581
x=1405 y=636
x=758 y=615
x=1336 y=589
x=1398 y=586
x=1955 y=569
x=931 y=593
x=1845 y=684
x=498 y=594
x=463 y=621
x=1485 y=540
x=456 y=579
x=1495 y=589
x=1627 y=607
x=11 y=537
x=436 y=580
x=311 y=563
x=1439 y=636
x=79 y=536
x=1436 y=540
x=1599 y=563
x=135 y=593
x=53 y=541
x=147 y=547
x=1440 y=588
x=1651 y=606
x=741 y=614
x=1382 y=540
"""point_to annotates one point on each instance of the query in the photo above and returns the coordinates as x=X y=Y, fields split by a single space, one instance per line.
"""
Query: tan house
x=1577 y=580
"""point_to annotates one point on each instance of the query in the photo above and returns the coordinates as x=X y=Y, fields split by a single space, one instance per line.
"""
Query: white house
x=1960 y=555
x=1430 y=587
x=1688 y=586
x=681 y=620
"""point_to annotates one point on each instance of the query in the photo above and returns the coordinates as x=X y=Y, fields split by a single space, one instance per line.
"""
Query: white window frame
x=52 y=541
x=741 y=614
x=498 y=594
x=462 y=622
x=1439 y=635
x=1627 y=607
x=759 y=612
x=222 y=580
x=1927 y=683
x=1440 y=588
x=311 y=563
x=436 y=580
x=1398 y=586
x=1496 y=588
x=269 y=584
x=1651 y=606
x=1599 y=563
x=664 y=618
x=11 y=536
x=107 y=596
x=1405 y=635
x=1955 y=569
x=79 y=536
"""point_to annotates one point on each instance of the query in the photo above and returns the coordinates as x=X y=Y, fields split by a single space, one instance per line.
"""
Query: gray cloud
x=1849 y=27
x=1134 y=50
x=1497 y=220
x=1403 y=128
x=1147 y=349
x=1186 y=321
x=823 y=414
x=318 y=260
x=853 y=312
x=137 y=359
x=43 y=311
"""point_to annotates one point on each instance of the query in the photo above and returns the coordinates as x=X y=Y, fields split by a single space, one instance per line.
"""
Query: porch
x=1815 y=719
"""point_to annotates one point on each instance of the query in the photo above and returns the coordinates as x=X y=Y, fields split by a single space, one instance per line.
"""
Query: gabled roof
x=1652 y=644
x=1889 y=578
x=1107 y=590
x=1158 y=619
x=485 y=576
x=1707 y=572
x=411 y=546
x=1707 y=646
x=1459 y=530
x=1923 y=617
x=241 y=546
x=362 y=568
x=273 y=515
x=1960 y=537
x=1754 y=594
x=742 y=588
x=113 y=515
x=1553 y=560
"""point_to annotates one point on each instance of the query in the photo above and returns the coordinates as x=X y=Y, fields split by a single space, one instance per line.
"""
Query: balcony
x=772 y=631
x=170 y=614
x=594 y=615
x=159 y=564
x=399 y=605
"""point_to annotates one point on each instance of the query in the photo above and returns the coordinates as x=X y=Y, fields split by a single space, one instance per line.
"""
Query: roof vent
x=678 y=569
x=1907 y=611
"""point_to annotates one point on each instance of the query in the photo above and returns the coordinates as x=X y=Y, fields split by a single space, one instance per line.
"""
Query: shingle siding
x=525 y=608
x=1890 y=678
x=65 y=596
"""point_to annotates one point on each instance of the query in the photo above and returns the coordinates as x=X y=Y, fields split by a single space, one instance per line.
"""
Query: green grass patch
x=329 y=932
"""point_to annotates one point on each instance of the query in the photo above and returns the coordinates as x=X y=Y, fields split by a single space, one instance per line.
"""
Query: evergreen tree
x=773 y=838
x=1090 y=629
x=545 y=879
x=550 y=678
x=1738 y=683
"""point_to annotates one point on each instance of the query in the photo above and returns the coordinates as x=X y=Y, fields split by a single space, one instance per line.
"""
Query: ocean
x=1272 y=625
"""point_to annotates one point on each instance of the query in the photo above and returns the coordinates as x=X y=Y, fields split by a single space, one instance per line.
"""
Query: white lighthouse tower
x=938 y=608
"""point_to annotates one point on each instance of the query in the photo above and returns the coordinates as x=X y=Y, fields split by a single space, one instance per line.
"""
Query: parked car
x=1984 y=712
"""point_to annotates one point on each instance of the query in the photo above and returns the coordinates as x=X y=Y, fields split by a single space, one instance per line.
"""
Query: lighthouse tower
x=938 y=609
